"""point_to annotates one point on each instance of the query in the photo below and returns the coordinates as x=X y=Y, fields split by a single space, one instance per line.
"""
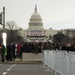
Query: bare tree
x=12 y=32
x=11 y=25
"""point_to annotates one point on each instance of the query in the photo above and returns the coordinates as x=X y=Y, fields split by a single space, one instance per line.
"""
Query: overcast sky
x=56 y=14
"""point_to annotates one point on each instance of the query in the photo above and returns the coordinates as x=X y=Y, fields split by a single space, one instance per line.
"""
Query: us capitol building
x=35 y=31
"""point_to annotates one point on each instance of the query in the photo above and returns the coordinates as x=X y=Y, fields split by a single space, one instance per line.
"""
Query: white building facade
x=35 y=31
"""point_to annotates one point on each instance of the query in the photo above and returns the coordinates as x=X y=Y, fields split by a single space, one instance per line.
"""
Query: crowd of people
x=13 y=51
x=60 y=46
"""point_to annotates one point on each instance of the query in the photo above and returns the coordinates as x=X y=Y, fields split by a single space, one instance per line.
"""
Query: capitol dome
x=35 y=17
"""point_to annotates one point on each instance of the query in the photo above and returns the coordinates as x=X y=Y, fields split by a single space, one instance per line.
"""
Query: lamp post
x=4 y=35
x=3 y=19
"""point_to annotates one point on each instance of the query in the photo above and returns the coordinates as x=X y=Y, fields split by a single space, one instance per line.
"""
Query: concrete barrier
x=32 y=57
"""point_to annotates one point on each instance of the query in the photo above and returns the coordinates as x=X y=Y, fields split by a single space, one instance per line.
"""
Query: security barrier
x=71 y=63
x=61 y=61
x=31 y=57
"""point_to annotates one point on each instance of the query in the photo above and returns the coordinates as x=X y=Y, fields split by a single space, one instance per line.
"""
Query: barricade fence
x=61 y=61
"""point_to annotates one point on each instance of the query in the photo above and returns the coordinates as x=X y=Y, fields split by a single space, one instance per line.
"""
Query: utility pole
x=4 y=35
x=2 y=22
x=3 y=19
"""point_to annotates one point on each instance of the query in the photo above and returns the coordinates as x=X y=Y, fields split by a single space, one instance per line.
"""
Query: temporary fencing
x=61 y=61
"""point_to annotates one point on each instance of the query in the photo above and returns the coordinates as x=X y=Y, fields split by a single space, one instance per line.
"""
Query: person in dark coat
x=13 y=51
x=64 y=47
x=2 y=52
x=9 y=56
x=21 y=51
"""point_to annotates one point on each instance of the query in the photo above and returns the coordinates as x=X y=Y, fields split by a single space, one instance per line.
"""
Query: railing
x=61 y=61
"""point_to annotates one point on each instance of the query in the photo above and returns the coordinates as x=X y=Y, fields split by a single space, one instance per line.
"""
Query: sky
x=56 y=14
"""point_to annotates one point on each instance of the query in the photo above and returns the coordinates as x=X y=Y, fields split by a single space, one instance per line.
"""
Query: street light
x=4 y=34
x=2 y=22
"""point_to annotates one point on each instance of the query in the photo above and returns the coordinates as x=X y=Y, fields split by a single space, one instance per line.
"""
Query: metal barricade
x=51 y=59
x=45 y=57
x=61 y=61
x=71 y=63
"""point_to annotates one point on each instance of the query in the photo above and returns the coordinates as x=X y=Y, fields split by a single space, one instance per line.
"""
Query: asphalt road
x=24 y=69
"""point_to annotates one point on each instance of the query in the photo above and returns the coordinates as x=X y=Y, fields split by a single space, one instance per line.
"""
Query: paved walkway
x=34 y=68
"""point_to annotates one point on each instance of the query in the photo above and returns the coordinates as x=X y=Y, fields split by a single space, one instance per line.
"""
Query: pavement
x=28 y=68
x=25 y=69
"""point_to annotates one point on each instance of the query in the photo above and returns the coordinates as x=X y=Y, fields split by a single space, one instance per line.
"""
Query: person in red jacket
x=18 y=50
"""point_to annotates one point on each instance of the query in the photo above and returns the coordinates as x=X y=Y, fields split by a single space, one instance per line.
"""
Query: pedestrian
x=18 y=50
x=9 y=56
x=2 y=52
